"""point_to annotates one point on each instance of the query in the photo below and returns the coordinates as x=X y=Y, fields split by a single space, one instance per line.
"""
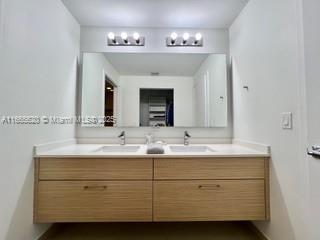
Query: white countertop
x=92 y=151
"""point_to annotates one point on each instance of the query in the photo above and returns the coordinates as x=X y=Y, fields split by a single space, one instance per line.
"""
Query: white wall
x=93 y=39
x=130 y=92
x=94 y=71
x=265 y=53
x=39 y=42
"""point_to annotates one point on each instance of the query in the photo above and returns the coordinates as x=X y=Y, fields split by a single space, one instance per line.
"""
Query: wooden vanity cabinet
x=94 y=201
x=93 y=190
x=95 y=169
x=132 y=190
x=211 y=189
x=209 y=200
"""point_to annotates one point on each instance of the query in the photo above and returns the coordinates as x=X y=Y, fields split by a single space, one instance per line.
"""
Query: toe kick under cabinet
x=150 y=189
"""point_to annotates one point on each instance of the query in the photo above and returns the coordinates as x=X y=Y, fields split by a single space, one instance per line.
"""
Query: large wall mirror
x=154 y=90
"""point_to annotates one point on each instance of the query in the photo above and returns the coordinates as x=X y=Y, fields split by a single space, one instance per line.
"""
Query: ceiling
x=143 y=64
x=156 y=13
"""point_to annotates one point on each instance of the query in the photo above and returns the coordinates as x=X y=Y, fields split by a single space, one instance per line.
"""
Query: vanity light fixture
x=136 y=36
x=111 y=37
x=125 y=40
x=124 y=37
x=173 y=37
x=198 y=38
x=186 y=40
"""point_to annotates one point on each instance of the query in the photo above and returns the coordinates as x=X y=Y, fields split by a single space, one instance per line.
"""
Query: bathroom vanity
x=113 y=183
x=81 y=184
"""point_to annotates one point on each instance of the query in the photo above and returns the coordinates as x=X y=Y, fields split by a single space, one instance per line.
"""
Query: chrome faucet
x=186 y=138
x=122 y=137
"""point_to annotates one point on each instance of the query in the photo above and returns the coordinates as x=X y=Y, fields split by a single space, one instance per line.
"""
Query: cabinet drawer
x=82 y=201
x=95 y=169
x=209 y=168
x=209 y=200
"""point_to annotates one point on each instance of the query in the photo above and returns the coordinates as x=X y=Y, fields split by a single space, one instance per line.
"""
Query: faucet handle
x=187 y=134
x=122 y=134
x=122 y=137
x=186 y=137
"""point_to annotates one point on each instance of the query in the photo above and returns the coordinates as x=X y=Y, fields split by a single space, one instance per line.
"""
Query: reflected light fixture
x=125 y=40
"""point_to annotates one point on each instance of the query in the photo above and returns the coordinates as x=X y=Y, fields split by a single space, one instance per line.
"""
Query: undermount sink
x=127 y=149
x=196 y=149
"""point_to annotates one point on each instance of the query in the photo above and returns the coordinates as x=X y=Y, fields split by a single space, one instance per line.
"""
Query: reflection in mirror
x=154 y=89
x=156 y=108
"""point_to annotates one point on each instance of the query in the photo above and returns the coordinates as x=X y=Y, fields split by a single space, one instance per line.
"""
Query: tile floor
x=156 y=231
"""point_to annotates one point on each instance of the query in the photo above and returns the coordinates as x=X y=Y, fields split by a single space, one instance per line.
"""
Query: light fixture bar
x=126 y=40
x=186 y=40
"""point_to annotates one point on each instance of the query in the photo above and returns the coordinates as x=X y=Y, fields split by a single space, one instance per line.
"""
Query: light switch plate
x=286 y=120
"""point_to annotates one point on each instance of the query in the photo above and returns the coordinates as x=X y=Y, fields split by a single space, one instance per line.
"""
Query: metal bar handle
x=87 y=187
x=209 y=186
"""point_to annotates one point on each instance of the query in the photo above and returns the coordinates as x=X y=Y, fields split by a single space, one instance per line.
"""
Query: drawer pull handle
x=212 y=186
x=95 y=187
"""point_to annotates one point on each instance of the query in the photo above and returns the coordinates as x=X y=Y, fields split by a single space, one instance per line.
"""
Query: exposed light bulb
x=124 y=35
x=111 y=36
x=198 y=36
x=174 y=36
x=136 y=36
x=186 y=36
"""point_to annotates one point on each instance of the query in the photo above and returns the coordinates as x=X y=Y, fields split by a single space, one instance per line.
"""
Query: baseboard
x=256 y=231
x=47 y=235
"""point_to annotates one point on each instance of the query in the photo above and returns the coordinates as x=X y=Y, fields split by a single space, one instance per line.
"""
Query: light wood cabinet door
x=209 y=200
x=93 y=201
x=95 y=169
x=209 y=168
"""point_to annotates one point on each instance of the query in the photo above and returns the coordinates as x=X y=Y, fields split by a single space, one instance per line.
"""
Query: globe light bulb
x=111 y=36
x=174 y=36
x=186 y=36
x=198 y=36
x=124 y=35
x=136 y=36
